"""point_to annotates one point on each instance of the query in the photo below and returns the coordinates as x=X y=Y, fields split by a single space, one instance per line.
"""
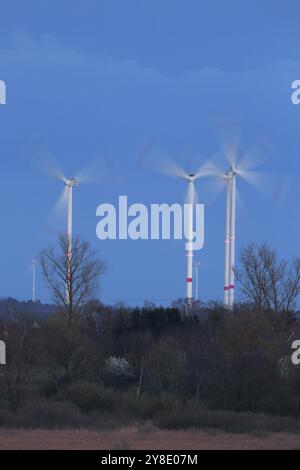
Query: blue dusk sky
x=96 y=78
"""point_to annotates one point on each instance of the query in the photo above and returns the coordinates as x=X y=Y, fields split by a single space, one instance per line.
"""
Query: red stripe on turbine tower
x=189 y=279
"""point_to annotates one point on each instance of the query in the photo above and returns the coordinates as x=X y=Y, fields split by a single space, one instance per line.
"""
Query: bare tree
x=266 y=281
x=72 y=279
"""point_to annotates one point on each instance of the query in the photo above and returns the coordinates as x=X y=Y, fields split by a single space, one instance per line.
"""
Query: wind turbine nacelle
x=234 y=170
x=191 y=177
x=71 y=182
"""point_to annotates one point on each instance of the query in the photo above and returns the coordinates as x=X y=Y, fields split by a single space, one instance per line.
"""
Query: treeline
x=11 y=309
x=87 y=364
x=148 y=363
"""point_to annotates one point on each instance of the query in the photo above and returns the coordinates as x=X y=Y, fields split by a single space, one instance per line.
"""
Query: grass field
x=147 y=438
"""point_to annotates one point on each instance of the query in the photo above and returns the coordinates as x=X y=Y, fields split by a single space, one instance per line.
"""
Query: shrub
x=48 y=414
x=89 y=396
x=6 y=417
x=228 y=421
x=118 y=372
x=149 y=406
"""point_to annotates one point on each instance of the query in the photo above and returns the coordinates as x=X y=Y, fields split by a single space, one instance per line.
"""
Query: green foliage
x=166 y=366
x=49 y=414
x=149 y=406
x=227 y=421
x=90 y=396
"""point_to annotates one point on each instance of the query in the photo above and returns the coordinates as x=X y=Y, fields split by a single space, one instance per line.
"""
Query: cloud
x=47 y=52
x=86 y=91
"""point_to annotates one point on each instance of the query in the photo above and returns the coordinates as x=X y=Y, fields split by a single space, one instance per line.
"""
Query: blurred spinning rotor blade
x=229 y=138
x=206 y=170
x=211 y=189
x=59 y=210
x=231 y=153
x=264 y=182
x=253 y=158
x=155 y=158
x=97 y=171
x=46 y=163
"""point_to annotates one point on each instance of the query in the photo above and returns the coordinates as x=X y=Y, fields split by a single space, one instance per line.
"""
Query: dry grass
x=133 y=438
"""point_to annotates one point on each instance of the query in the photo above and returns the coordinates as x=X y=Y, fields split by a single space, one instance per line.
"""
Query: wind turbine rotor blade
x=281 y=189
x=253 y=158
x=47 y=164
x=229 y=138
x=211 y=190
x=264 y=182
x=55 y=171
x=155 y=158
x=59 y=209
x=206 y=170
x=192 y=159
x=97 y=171
x=231 y=153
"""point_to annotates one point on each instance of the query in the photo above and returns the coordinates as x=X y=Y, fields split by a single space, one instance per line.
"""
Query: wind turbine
x=34 y=279
x=65 y=201
x=70 y=184
x=232 y=236
x=93 y=172
x=196 y=266
x=190 y=222
x=156 y=159
x=227 y=177
x=245 y=169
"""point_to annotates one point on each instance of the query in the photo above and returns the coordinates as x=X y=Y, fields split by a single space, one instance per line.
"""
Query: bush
x=48 y=414
x=89 y=396
x=6 y=417
x=118 y=372
x=149 y=406
x=228 y=421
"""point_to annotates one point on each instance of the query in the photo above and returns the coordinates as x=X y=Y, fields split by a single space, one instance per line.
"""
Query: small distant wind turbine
x=196 y=266
x=158 y=160
x=34 y=280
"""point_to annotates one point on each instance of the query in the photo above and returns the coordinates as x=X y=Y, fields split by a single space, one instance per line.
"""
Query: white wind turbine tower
x=197 y=266
x=158 y=160
x=34 y=262
x=244 y=169
x=232 y=236
x=70 y=184
x=227 y=177
x=190 y=223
